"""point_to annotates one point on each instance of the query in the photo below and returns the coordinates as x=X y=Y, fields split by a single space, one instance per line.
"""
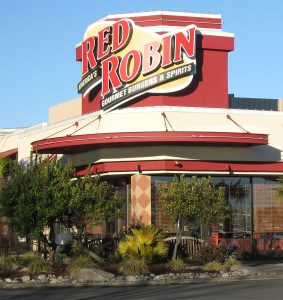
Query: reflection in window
x=268 y=216
x=236 y=231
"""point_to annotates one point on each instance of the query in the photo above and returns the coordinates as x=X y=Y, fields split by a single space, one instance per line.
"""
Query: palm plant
x=145 y=243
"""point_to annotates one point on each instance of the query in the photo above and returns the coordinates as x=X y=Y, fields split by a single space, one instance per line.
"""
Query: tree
x=6 y=165
x=91 y=200
x=187 y=199
x=33 y=198
x=37 y=195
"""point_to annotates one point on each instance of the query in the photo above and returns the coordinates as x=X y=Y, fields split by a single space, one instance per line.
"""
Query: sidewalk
x=264 y=267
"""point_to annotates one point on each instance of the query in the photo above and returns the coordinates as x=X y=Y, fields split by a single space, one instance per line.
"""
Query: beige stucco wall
x=65 y=111
x=150 y=119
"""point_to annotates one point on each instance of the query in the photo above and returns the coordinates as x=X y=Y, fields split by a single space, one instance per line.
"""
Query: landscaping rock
x=54 y=280
x=8 y=280
x=225 y=275
x=131 y=278
x=236 y=274
x=42 y=277
x=204 y=276
x=25 y=278
x=92 y=274
x=120 y=278
x=144 y=278
x=15 y=281
x=160 y=277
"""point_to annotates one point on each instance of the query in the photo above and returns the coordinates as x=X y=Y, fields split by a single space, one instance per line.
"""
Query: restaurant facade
x=154 y=104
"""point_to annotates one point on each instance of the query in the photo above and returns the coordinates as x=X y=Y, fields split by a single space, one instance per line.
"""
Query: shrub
x=77 y=249
x=176 y=264
x=213 y=266
x=27 y=258
x=7 y=262
x=80 y=262
x=229 y=263
x=145 y=243
x=60 y=257
x=115 y=258
x=209 y=252
x=133 y=266
x=35 y=263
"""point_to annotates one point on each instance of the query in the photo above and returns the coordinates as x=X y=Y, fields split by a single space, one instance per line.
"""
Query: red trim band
x=78 y=143
x=9 y=153
x=181 y=165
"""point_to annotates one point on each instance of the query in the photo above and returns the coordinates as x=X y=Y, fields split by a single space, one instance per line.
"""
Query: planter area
x=96 y=275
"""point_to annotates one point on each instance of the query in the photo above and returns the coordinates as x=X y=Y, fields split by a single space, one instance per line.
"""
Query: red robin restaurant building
x=154 y=104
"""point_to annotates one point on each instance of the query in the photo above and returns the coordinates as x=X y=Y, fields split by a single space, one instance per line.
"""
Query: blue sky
x=38 y=37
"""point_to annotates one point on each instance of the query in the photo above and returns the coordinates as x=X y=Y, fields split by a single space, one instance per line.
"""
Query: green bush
x=60 y=257
x=35 y=263
x=176 y=264
x=80 y=262
x=77 y=249
x=213 y=266
x=115 y=258
x=133 y=266
x=229 y=263
x=145 y=243
x=7 y=262
x=209 y=252
x=27 y=258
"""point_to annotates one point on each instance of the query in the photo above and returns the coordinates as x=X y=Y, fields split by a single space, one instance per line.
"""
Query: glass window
x=268 y=216
x=158 y=217
x=236 y=230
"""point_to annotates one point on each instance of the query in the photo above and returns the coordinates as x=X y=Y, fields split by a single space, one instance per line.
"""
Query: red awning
x=81 y=143
x=9 y=153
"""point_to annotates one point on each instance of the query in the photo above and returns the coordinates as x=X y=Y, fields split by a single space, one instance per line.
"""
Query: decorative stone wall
x=141 y=199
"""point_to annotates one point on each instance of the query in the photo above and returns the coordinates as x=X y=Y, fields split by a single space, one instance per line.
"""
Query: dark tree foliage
x=43 y=192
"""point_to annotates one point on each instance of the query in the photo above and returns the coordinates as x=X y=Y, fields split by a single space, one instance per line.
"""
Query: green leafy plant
x=209 y=252
x=177 y=264
x=145 y=243
x=60 y=258
x=187 y=199
x=80 y=262
x=40 y=193
x=115 y=258
x=7 y=262
x=133 y=266
x=229 y=263
x=213 y=266
x=35 y=263
x=77 y=249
